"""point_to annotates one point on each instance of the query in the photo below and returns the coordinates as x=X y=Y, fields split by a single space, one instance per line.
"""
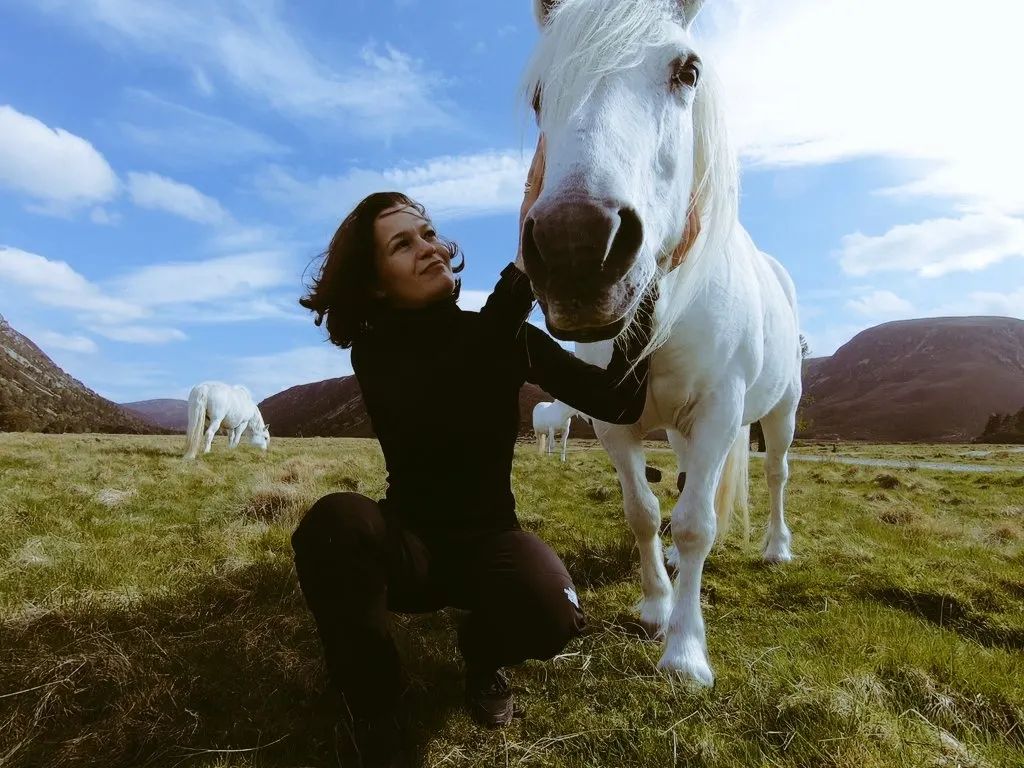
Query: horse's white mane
x=583 y=41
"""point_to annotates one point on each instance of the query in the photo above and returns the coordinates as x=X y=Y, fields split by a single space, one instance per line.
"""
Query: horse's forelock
x=587 y=39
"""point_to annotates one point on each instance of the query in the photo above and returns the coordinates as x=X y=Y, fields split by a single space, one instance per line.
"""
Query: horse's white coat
x=549 y=419
x=230 y=406
x=726 y=348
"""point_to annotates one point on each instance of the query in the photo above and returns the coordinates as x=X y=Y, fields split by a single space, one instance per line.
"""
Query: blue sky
x=169 y=169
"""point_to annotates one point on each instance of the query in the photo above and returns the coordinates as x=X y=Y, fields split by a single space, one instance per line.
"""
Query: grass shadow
x=228 y=663
x=948 y=612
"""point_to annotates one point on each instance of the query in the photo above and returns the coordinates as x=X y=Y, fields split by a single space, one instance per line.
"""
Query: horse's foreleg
x=778 y=427
x=551 y=440
x=565 y=438
x=694 y=526
x=643 y=513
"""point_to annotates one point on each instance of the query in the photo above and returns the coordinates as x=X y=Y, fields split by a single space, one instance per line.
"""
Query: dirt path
x=942 y=466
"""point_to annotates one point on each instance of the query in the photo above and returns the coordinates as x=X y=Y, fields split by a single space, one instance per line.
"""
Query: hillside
x=168 y=413
x=334 y=408
x=932 y=379
x=37 y=396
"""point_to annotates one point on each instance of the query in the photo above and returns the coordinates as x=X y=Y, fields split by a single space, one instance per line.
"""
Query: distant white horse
x=640 y=187
x=232 y=407
x=550 y=419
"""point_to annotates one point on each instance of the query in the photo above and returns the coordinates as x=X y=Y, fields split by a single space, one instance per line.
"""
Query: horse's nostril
x=627 y=241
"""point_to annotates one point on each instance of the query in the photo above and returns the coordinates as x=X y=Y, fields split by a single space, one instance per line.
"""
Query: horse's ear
x=690 y=10
x=541 y=9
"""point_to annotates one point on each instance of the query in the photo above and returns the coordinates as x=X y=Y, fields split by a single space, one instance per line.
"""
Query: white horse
x=640 y=187
x=225 y=405
x=550 y=419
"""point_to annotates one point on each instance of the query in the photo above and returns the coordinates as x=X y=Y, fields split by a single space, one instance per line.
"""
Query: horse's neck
x=256 y=419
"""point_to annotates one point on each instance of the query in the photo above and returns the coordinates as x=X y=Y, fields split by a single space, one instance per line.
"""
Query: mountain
x=169 y=414
x=933 y=379
x=334 y=408
x=37 y=396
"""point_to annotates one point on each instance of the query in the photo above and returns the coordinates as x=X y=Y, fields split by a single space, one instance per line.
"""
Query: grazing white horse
x=550 y=419
x=640 y=187
x=225 y=405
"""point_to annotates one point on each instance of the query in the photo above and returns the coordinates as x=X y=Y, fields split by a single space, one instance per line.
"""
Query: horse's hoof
x=654 y=616
x=691 y=669
x=776 y=549
x=777 y=555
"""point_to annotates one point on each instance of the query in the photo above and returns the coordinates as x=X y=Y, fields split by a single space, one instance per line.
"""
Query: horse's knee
x=693 y=533
x=643 y=514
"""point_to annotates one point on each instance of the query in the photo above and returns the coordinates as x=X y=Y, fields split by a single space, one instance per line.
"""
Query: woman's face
x=413 y=268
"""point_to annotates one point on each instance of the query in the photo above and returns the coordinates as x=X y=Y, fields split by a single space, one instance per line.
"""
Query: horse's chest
x=672 y=391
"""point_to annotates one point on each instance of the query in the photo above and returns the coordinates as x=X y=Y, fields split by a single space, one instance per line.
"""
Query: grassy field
x=149 y=615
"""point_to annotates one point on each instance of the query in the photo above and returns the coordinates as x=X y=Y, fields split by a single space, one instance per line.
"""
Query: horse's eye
x=686 y=72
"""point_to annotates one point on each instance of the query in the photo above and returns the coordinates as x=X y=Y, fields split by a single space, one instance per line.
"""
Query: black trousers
x=356 y=563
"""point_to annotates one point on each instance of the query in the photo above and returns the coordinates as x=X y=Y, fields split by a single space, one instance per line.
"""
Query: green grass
x=149 y=615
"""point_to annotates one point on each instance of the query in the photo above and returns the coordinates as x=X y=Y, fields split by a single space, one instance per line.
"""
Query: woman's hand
x=534 y=181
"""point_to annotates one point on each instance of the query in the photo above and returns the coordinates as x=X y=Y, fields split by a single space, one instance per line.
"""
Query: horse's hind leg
x=211 y=432
x=678 y=443
x=643 y=513
x=778 y=427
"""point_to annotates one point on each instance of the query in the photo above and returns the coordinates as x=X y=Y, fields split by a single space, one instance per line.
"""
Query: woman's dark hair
x=342 y=291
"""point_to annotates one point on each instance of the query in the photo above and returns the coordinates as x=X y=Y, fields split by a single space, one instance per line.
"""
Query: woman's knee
x=554 y=617
x=339 y=519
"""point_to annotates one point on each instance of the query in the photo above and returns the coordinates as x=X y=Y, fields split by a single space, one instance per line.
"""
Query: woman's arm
x=616 y=394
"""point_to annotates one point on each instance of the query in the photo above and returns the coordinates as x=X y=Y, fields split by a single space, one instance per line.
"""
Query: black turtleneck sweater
x=441 y=386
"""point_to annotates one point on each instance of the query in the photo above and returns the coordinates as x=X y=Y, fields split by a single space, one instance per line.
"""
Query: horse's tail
x=196 y=420
x=733 y=488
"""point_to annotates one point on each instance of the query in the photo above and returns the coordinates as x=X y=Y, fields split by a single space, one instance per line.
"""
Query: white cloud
x=202 y=82
x=65 y=342
x=178 y=134
x=879 y=304
x=57 y=169
x=139 y=334
x=102 y=216
x=936 y=247
x=56 y=284
x=156 y=192
x=812 y=82
x=267 y=375
x=208 y=280
x=450 y=187
x=376 y=94
x=1009 y=304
